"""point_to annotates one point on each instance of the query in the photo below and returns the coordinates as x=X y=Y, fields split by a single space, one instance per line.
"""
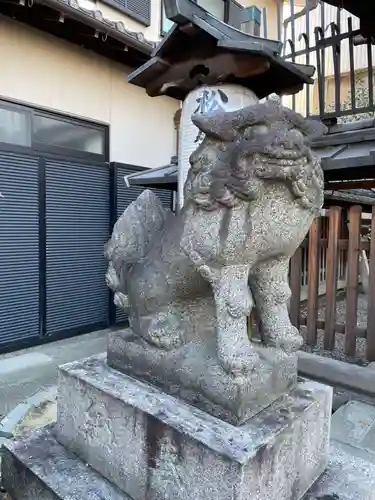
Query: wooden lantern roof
x=202 y=50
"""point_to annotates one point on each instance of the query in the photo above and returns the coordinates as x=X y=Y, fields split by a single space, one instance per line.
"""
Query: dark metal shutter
x=125 y=196
x=137 y=9
x=235 y=14
x=77 y=227
x=141 y=9
x=19 y=248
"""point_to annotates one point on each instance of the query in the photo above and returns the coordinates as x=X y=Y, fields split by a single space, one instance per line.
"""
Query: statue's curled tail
x=146 y=217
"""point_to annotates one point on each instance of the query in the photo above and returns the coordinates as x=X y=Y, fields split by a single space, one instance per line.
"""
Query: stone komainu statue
x=252 y=192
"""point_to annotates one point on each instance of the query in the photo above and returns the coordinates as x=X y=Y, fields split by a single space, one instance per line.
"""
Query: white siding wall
x=151 y=32
x=44 y=71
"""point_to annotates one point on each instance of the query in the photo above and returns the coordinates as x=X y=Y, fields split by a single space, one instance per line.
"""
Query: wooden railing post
x=331 y=280
x=371 y=296
x=355 y=213
x=313 y=282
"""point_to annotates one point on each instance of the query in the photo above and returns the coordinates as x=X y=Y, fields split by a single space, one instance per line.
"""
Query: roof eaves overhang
x=166 y=175
x=87 y=28
x=347 y=151
x=96 y=19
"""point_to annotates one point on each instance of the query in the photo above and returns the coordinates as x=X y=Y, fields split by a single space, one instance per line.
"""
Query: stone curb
x=8 y=423
x=337 y=373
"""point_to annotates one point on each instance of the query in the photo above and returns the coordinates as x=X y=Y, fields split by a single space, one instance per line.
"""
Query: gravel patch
x=339 y=349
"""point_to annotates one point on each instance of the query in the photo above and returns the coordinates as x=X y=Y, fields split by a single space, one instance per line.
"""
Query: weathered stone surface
x=156 y=447
x=354 y=424
x=193 y=373
x=251 y=194
x=347 y=477
x=348 y=376
x=38 y=468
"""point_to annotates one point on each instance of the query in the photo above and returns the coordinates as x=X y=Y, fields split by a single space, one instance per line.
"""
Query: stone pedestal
x=193 y=373
x=143 y=444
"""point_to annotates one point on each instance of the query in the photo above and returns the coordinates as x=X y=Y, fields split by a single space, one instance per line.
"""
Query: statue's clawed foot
x=164 y=330
x=237 y=360
x=289 y=339
x=233 y=305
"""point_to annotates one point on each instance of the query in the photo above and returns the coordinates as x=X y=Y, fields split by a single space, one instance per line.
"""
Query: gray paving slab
x=26 y=372
x=351 y=422
x=368 y=440
x=354 y=424
x=23 y=362
x=348 y=477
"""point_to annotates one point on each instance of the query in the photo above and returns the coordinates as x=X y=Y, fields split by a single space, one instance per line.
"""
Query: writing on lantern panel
x=208 y=102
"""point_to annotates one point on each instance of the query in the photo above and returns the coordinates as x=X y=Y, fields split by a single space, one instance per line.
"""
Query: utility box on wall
x=252 y=20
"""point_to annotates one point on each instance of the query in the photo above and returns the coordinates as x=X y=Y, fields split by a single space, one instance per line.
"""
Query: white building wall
x=151 y=32
x=44 y=71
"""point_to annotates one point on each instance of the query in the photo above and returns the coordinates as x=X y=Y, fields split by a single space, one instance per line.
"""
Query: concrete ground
x=354 y=426
x=351 y=472
x=26 y=372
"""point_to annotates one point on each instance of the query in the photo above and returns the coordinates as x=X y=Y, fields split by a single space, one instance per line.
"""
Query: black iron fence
x=328 y=38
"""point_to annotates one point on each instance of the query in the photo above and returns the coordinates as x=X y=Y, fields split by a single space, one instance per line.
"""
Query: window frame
x=22 y=110
x=38 y=147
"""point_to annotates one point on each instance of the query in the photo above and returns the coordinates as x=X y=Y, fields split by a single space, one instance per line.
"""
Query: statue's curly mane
x=242 y=150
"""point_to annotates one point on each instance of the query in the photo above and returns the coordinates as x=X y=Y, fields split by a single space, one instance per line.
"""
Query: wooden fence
x=342 y=245
x=341 y=270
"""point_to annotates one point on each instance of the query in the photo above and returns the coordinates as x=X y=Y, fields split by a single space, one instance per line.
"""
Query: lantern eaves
x=202 y=50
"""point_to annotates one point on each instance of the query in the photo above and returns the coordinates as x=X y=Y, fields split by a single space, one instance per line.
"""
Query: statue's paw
x=164 y=340
x=289 y=341
x=165 y=331
x=238 y=361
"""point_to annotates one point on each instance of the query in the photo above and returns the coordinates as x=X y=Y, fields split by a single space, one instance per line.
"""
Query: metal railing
x=318 y=34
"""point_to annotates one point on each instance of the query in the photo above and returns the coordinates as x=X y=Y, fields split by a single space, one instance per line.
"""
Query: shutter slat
x=141 y=8
x=19 y=248
x=125 y=196
x=77 y=223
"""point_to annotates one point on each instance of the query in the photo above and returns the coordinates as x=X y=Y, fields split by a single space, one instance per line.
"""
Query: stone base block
x=193 y=373
x=38 y=468
x=156 y=447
